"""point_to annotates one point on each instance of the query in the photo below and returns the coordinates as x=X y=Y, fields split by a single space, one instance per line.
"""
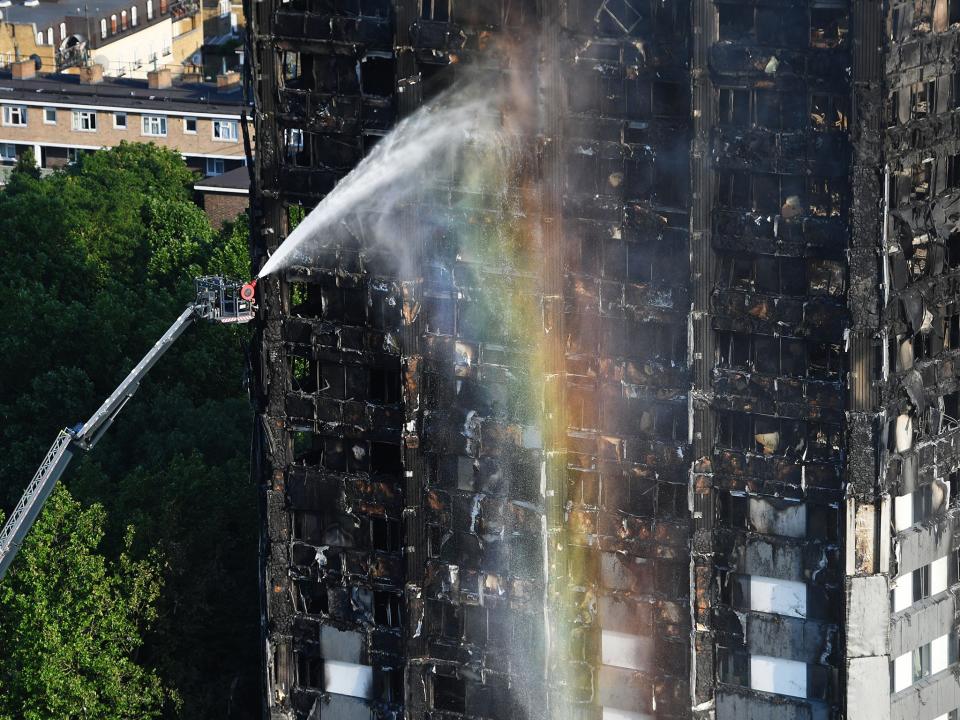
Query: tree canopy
x=97 y=262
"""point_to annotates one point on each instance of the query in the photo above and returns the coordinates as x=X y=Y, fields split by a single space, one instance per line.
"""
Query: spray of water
x=396 y=169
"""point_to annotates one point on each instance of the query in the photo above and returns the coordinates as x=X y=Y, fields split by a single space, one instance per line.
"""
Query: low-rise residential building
x=61 y=116
x=225 y=196
x=128 y=38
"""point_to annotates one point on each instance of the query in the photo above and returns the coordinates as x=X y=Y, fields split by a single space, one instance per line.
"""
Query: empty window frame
x=829 y=26
x=923 y=99
x=661 y=265
x=435 y=10
x=50 y=116
x=762 y=353
x=768 y=435
x=15 y=115
x=913 y=183
x=786 y=195
x=664 y=421
x=829 y=112
x=826 y=196
x=953 y=171
x=764 y=274
x=670 y=99
x=378 y=75
x=387 y=609
x=761 y=107
x=780 y=26
x=84 y=120
x=734 y=106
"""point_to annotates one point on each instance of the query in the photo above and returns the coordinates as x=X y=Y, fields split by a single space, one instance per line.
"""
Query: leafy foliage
x=71 y=622
x=96 y=263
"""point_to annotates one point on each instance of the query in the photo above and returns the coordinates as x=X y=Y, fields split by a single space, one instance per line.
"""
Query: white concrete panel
x=614 y=714
x=938 y=576
x=791 y=521
x=902 y=592
x=348 y=679
x=626 y=651
x=903 y=512
x=904 y=433
x=866 y=676
x=776 y=675
x=783 y=597
x=939 y=654
x=902 y=672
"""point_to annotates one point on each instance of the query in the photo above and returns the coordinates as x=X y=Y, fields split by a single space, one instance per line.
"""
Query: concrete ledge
x=735 y=703
x=930 y=698
x=789 y=638
x=922 y=544
x=921 y=623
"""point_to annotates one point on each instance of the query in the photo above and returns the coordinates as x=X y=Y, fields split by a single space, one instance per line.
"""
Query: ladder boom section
x=34 y=498
x=217 y=300
x=94 y=428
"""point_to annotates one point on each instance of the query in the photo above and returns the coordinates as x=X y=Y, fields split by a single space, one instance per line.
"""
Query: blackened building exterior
x=664 y=423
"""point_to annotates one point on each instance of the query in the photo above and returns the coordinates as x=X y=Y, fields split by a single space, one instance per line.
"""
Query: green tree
x=71 y=623
x=95 y=263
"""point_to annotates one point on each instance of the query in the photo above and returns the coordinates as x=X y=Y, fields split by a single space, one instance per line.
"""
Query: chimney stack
x=228 y=79
x=24 y=69
x=91 y=74
x=159 y=79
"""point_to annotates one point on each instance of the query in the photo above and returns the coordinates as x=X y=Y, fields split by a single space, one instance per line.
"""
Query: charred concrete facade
x=692 y=451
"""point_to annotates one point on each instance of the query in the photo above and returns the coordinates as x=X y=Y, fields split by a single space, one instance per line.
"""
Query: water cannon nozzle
x=249 y=291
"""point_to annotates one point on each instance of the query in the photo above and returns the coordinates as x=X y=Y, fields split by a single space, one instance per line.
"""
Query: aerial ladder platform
x=217 y=300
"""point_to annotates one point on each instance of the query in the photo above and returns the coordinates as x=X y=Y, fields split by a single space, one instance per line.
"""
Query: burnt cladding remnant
x=654 y=415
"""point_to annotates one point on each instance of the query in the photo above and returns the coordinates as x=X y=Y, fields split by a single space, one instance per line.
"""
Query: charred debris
x=715 y=473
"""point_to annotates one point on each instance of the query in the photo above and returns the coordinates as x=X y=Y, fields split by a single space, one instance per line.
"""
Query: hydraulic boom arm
x=217 y=300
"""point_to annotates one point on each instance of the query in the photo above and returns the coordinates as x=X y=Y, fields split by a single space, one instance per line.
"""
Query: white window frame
x=15 y=115
x=49 y=36
x=153 y=126
x=83 y=121
x=149 y=10
x=46 y=116
x=8 y=152
x=117 y=125
x=73 y=155
x=133 y=16
x=63 y=31
x=103 y=28
x=187 y=130
x=218 y=125
x=40 y=38
x=215 y=162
